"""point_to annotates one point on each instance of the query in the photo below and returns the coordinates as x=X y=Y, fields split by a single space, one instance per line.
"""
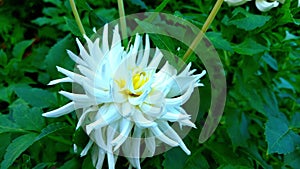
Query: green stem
x=70 y=120
x=206 y=25
x=123 y=21
x=77 y=18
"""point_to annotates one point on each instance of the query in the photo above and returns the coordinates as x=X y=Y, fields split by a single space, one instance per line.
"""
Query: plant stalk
x=206 y=25
x=123 y=21
x=77 y=18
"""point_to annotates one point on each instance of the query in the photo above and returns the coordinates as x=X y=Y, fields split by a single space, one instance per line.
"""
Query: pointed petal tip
x=89 y=129
x=51 y=83
x=48 y=114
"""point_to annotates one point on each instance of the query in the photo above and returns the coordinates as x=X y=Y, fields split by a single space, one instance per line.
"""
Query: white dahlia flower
x=126 y=101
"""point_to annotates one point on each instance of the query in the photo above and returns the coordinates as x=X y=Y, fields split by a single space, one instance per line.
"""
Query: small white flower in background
x=126 y=98
x=262 y=5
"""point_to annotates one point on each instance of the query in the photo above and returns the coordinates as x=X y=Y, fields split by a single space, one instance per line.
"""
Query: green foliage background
x=260 y=53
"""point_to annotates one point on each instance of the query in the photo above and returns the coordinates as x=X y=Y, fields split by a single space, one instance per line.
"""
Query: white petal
x=156 y=59
x=105 y=47
x=134 y=51
x=75 y=148
x=161 y=136
x=74 y=76
x=126 y=109
x=86 y=72
x=86 y=148
x=186 y=70
x=94 y=49
x=155 y=98
x=144 y=60
x=75 y=58
x=110 y=156
x=180 y=85
x=76 y=97
x=108 y=114
x=84 y=114
x=101 y=155
x=150 y=143
x=151 y=110
x=171 y=133
x=181 y=99
x=116 y=41
x=125 y=127
x=100 y=137
x=86 y=57
x=187 y=122
x=101 y=96
x=264 y=6
x=61 y=111
x=172 y=117
x=141 y=121
x=136 y=144
x=137 y=100
x=96 y=52
x=62 y=80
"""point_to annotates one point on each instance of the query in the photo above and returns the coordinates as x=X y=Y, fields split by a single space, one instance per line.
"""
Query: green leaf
x=35 y=96
x=270 y=61
x=73 y=163
x=218 y=41
x=51 y=11
x=51 y=128
x=279 y=137
x=196 y=160
x=284 y=84
x=43 y=165
x=224 y=154
x=292 y=160
x=237 y=128
x=174 y=159
x=8 y=126
x=5 y=140
x=43 y=21
x=87 y=163
x=249 y=21
x=233 y=167
x=249 y=47
x=55 y=2
x=57 y=56
x=83 y=5
x=16 y=148
x=295 y=120
x=19 y=48
x=139 y=3
x=71 y=24
x=3 y=58
x=253 y=153
x=28 y=119
x=6 y=93
x=161 y=6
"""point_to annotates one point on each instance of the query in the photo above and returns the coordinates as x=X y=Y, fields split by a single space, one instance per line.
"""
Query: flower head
x=127 y=100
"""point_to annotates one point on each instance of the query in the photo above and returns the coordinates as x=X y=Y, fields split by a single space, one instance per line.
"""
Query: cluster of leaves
x=260 y=54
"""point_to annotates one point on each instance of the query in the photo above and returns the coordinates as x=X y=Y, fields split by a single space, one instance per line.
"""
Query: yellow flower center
x=139 y=79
